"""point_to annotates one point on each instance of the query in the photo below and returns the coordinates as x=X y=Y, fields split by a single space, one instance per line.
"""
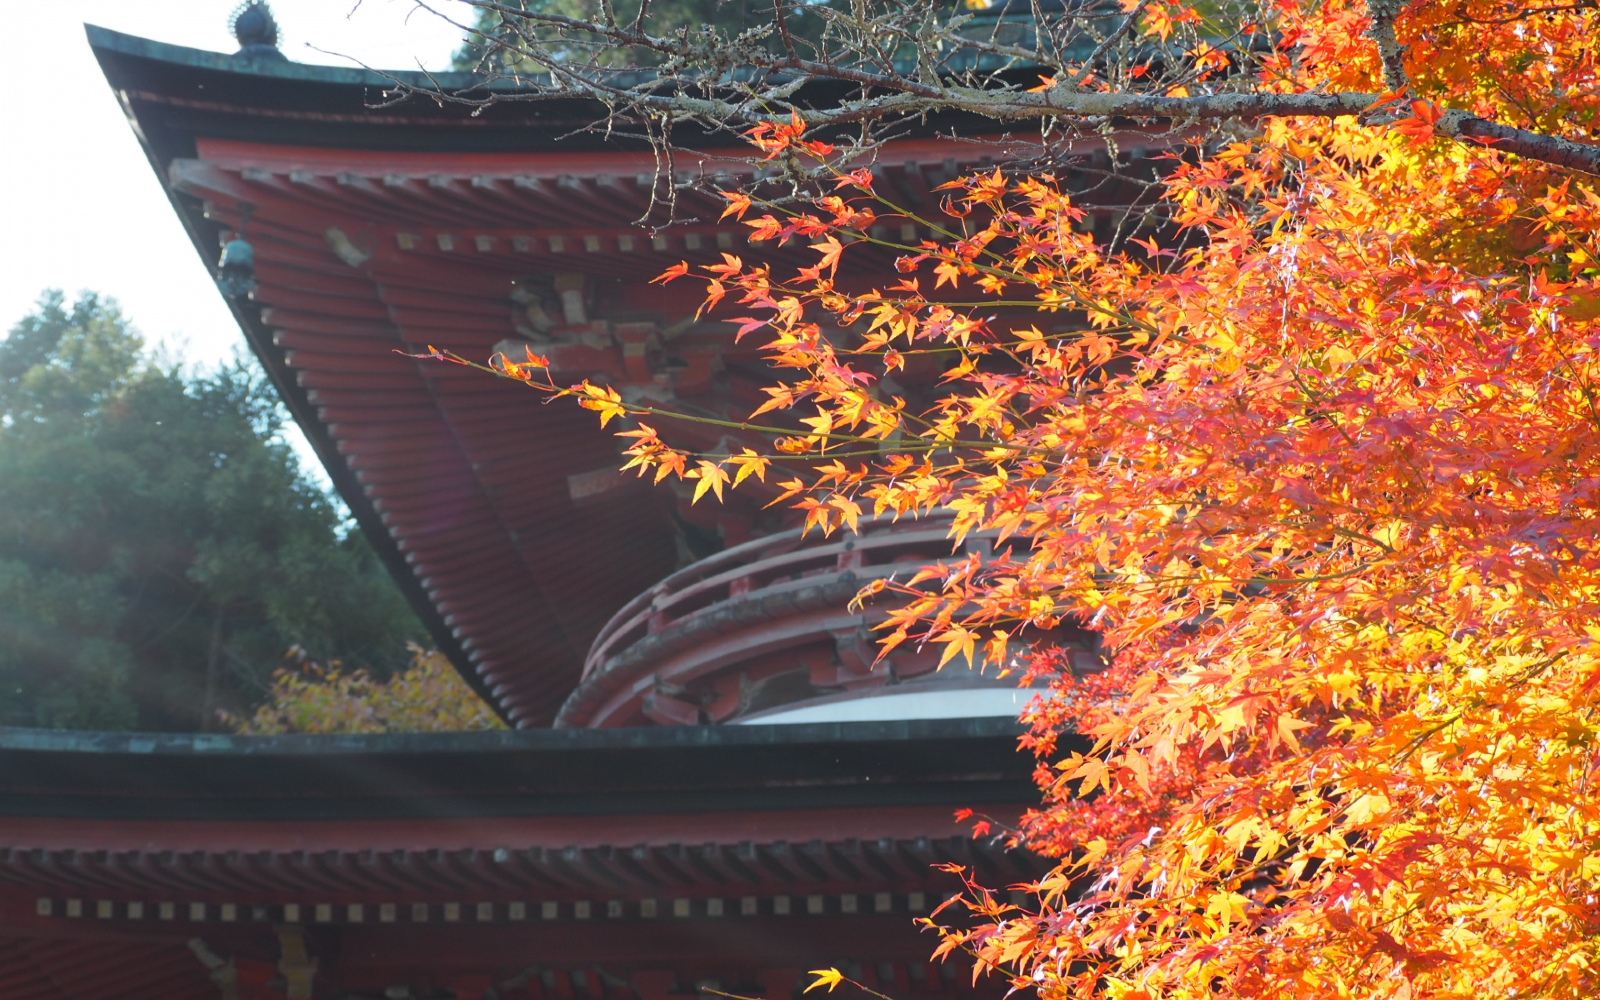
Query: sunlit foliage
x=427 y=696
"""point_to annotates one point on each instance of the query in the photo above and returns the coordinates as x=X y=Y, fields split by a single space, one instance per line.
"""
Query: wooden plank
x=378 y=327
x=293 y=300
x=314 y=379
x=353 y=346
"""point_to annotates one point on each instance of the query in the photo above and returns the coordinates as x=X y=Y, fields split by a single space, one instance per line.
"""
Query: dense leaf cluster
x=426 y=696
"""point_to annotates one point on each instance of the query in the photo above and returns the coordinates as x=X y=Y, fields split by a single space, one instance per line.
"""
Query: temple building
x=709 y=784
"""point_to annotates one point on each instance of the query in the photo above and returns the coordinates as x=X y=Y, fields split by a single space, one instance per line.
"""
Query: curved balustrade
x=762 y=625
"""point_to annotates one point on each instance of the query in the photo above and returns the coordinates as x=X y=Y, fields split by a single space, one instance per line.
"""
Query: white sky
x=80 y=207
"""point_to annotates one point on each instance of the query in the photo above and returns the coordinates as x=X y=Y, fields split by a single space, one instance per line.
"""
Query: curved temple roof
x=581 y=864
x=379 y=231
x=392 y=229
x=460 y=483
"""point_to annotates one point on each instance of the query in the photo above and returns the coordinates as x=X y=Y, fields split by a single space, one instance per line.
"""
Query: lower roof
x=526 y=773
x=559 y=816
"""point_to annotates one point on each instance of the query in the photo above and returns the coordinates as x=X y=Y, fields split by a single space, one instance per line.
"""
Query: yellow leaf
x=849 y=510
x=750 y=463
x=711 y=477
x=826 y=977
x=957 y=640
x=1368 y=808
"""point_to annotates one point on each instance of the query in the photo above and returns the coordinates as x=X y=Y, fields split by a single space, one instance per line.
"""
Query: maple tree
x=1315 y=452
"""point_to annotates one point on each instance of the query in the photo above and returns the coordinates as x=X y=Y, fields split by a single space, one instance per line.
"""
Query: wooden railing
x=786 y=561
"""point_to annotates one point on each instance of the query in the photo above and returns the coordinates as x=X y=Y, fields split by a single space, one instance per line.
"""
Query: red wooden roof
x=470 y=476
x=666 y=959
x=53 y=968
x=142 y=867
x=377 y=232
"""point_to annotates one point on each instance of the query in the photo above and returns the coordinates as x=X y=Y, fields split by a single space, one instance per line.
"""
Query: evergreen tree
x=160 y=548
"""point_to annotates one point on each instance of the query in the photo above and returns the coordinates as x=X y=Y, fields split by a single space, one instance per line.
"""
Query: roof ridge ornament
x=256 y=29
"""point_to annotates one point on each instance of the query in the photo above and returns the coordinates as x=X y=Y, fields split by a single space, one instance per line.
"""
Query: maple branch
x=1525 y=13
x=1533 y=145
x=1116 y=36
x=1390 y=52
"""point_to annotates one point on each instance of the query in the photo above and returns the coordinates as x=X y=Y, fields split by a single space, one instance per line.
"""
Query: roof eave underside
x=179 y=99
x=109 y=47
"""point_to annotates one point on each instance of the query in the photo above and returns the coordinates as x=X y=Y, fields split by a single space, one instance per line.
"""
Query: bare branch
x=1116 y=36
x=903 y=59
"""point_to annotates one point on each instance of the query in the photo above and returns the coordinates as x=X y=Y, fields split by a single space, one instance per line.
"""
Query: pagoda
x=710 y=785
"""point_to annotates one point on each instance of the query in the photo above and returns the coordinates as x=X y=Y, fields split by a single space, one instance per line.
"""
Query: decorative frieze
x=483 y=911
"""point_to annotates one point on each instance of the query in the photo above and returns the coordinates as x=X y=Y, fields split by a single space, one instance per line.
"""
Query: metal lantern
x=236 y=270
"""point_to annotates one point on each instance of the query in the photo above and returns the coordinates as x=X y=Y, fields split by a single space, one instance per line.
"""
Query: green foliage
x=160 y=547
x=428 y=696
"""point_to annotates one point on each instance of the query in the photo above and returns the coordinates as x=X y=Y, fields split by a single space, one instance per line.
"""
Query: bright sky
x=79 y=205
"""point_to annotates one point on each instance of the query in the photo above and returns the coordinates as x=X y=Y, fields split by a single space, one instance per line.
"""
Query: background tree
x=1315 y=450
x=160 y=548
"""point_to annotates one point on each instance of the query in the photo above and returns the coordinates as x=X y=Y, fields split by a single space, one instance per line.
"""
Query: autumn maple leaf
x=830 y=250
x=676 y=271
x=825 y=977
x=1420 y=125
x=738 y=204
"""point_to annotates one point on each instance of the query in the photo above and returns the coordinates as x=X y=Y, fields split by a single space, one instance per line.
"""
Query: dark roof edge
x=273 y=358
x=508 y=774
x=393 y=744
x=447 y=81
x=145 y=48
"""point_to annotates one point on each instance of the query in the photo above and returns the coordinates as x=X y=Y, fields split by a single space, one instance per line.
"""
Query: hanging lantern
x=236 y=271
